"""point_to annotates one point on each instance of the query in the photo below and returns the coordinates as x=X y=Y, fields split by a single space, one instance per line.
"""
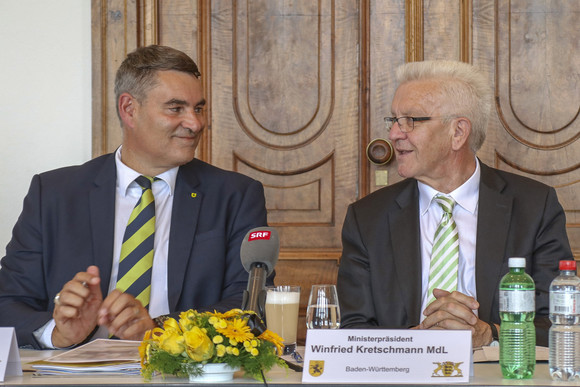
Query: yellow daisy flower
x=237 y=330
x=273 y=338
x=232 y=313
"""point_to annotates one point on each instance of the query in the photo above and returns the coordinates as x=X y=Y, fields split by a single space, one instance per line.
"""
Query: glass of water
x=323 y=311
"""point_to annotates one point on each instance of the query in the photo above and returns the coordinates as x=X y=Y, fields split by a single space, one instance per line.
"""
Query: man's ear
x=461 y=134
x=127 y=106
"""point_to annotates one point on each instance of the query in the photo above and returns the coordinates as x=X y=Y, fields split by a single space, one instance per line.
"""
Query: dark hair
x=138 y=72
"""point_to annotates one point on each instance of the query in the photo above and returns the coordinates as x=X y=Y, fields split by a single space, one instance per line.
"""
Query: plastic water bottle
x=517 y=335
x=565 y=330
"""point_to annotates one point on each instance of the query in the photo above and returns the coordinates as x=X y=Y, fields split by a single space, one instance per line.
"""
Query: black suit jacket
x=379 y=279
x=67 y=224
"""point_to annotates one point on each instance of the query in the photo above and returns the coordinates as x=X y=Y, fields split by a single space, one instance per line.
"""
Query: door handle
x=380 y=151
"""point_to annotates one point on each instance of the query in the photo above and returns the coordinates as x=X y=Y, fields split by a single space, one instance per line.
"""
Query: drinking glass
x=282 y=304
x=323 y=310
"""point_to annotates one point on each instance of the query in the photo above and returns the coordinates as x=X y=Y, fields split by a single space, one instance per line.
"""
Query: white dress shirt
x=127 y=193
x=465 y=216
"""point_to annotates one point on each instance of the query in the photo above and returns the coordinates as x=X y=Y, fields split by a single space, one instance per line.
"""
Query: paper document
x=97 y=357
x=483 y=354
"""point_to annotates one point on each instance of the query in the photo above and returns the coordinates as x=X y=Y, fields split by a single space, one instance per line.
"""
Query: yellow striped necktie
x=136 y=261
x=445 y=253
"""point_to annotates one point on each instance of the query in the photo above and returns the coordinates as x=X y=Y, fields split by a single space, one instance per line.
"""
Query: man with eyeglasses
x=429 y=251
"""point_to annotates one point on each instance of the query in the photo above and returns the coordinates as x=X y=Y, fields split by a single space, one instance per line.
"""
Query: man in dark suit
x=440 y=113
x=59 y=276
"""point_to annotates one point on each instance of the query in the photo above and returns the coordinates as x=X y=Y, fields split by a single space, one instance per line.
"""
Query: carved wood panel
x=115 y=33
x=537 y=90
x=285 y=109
x=296 y=90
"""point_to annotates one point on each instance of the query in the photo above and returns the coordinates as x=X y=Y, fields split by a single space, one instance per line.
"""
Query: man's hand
x=124 y=316
x=455 y=311
x=76 y=306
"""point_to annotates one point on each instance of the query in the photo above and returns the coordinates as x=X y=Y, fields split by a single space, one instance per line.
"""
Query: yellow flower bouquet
x=237 y=338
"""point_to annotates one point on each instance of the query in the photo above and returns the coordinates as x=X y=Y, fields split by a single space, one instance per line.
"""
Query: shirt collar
x=466 y=195
x=126 y=176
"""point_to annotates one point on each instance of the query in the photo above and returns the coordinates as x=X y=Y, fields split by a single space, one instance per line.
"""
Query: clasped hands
x=79 y=308
x=455 y=311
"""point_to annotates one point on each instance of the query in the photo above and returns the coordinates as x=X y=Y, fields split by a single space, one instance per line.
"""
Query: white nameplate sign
x=387 y=356
x=9 y=355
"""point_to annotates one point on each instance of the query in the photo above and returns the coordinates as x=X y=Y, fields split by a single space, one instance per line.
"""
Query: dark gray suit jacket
x=379 y=279
x=67 y=224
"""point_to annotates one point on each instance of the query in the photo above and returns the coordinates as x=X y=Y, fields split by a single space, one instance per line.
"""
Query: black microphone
x=259 y=254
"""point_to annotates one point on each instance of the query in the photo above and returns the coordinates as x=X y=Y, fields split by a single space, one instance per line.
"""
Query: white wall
x=45 y=95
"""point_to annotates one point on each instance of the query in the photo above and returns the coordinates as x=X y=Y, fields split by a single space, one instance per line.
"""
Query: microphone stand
x=255 y=296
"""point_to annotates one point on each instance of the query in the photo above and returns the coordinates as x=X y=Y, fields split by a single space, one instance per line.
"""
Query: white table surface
x=486 y=374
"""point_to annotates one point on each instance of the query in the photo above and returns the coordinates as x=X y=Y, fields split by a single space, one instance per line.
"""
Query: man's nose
x=194 y=121
x=396 y=132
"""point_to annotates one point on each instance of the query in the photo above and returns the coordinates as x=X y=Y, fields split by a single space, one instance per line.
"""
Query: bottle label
x=564 y=303
x=517 y=301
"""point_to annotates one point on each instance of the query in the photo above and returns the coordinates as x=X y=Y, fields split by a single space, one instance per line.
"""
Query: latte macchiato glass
x=282 y=303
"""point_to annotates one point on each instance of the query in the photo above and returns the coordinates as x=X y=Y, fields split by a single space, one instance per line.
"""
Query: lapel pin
x=193 y=195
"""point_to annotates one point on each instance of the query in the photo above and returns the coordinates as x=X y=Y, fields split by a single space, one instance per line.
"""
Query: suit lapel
x=494 y=215
x=405 y=239
x=184 y=218
x=102 y=219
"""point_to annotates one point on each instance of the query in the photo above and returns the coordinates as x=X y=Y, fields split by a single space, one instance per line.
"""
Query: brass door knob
x=380 y=151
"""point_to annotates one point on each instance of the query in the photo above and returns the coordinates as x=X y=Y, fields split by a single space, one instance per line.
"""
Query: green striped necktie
x=136 y=261
x=445 y=253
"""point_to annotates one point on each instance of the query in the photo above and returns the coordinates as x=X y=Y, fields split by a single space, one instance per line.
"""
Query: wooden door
x=297 y=90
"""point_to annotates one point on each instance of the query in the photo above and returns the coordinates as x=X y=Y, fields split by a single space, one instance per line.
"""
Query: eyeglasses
x=407 y=124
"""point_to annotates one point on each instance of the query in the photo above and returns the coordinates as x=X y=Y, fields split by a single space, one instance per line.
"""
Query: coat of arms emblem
x=316 y=367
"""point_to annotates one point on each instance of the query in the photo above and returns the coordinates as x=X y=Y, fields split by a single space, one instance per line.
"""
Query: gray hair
x=462 y=84
x=138 y=72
